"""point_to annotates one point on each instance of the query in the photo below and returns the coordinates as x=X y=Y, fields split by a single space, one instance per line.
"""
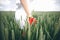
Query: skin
x=25 y=6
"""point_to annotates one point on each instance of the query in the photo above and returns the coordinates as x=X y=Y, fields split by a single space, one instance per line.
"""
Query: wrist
x=29 y=16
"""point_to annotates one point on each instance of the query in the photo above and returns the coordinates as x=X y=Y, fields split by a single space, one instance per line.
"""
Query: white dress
x=20 y=14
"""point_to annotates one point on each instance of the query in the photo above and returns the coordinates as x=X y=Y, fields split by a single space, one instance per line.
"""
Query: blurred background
x=47 y=13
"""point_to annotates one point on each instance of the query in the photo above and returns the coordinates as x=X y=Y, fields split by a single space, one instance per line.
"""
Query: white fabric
x=20 y=15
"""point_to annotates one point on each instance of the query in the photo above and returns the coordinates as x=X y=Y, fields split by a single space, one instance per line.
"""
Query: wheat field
x=46 y=28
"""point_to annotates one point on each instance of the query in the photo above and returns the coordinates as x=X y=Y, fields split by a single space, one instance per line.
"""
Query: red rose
x=32 y=20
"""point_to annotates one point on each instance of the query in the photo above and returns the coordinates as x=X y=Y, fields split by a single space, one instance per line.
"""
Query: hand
x=32 y=20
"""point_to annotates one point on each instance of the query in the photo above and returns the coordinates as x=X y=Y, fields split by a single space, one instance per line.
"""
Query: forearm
x=25 y=6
